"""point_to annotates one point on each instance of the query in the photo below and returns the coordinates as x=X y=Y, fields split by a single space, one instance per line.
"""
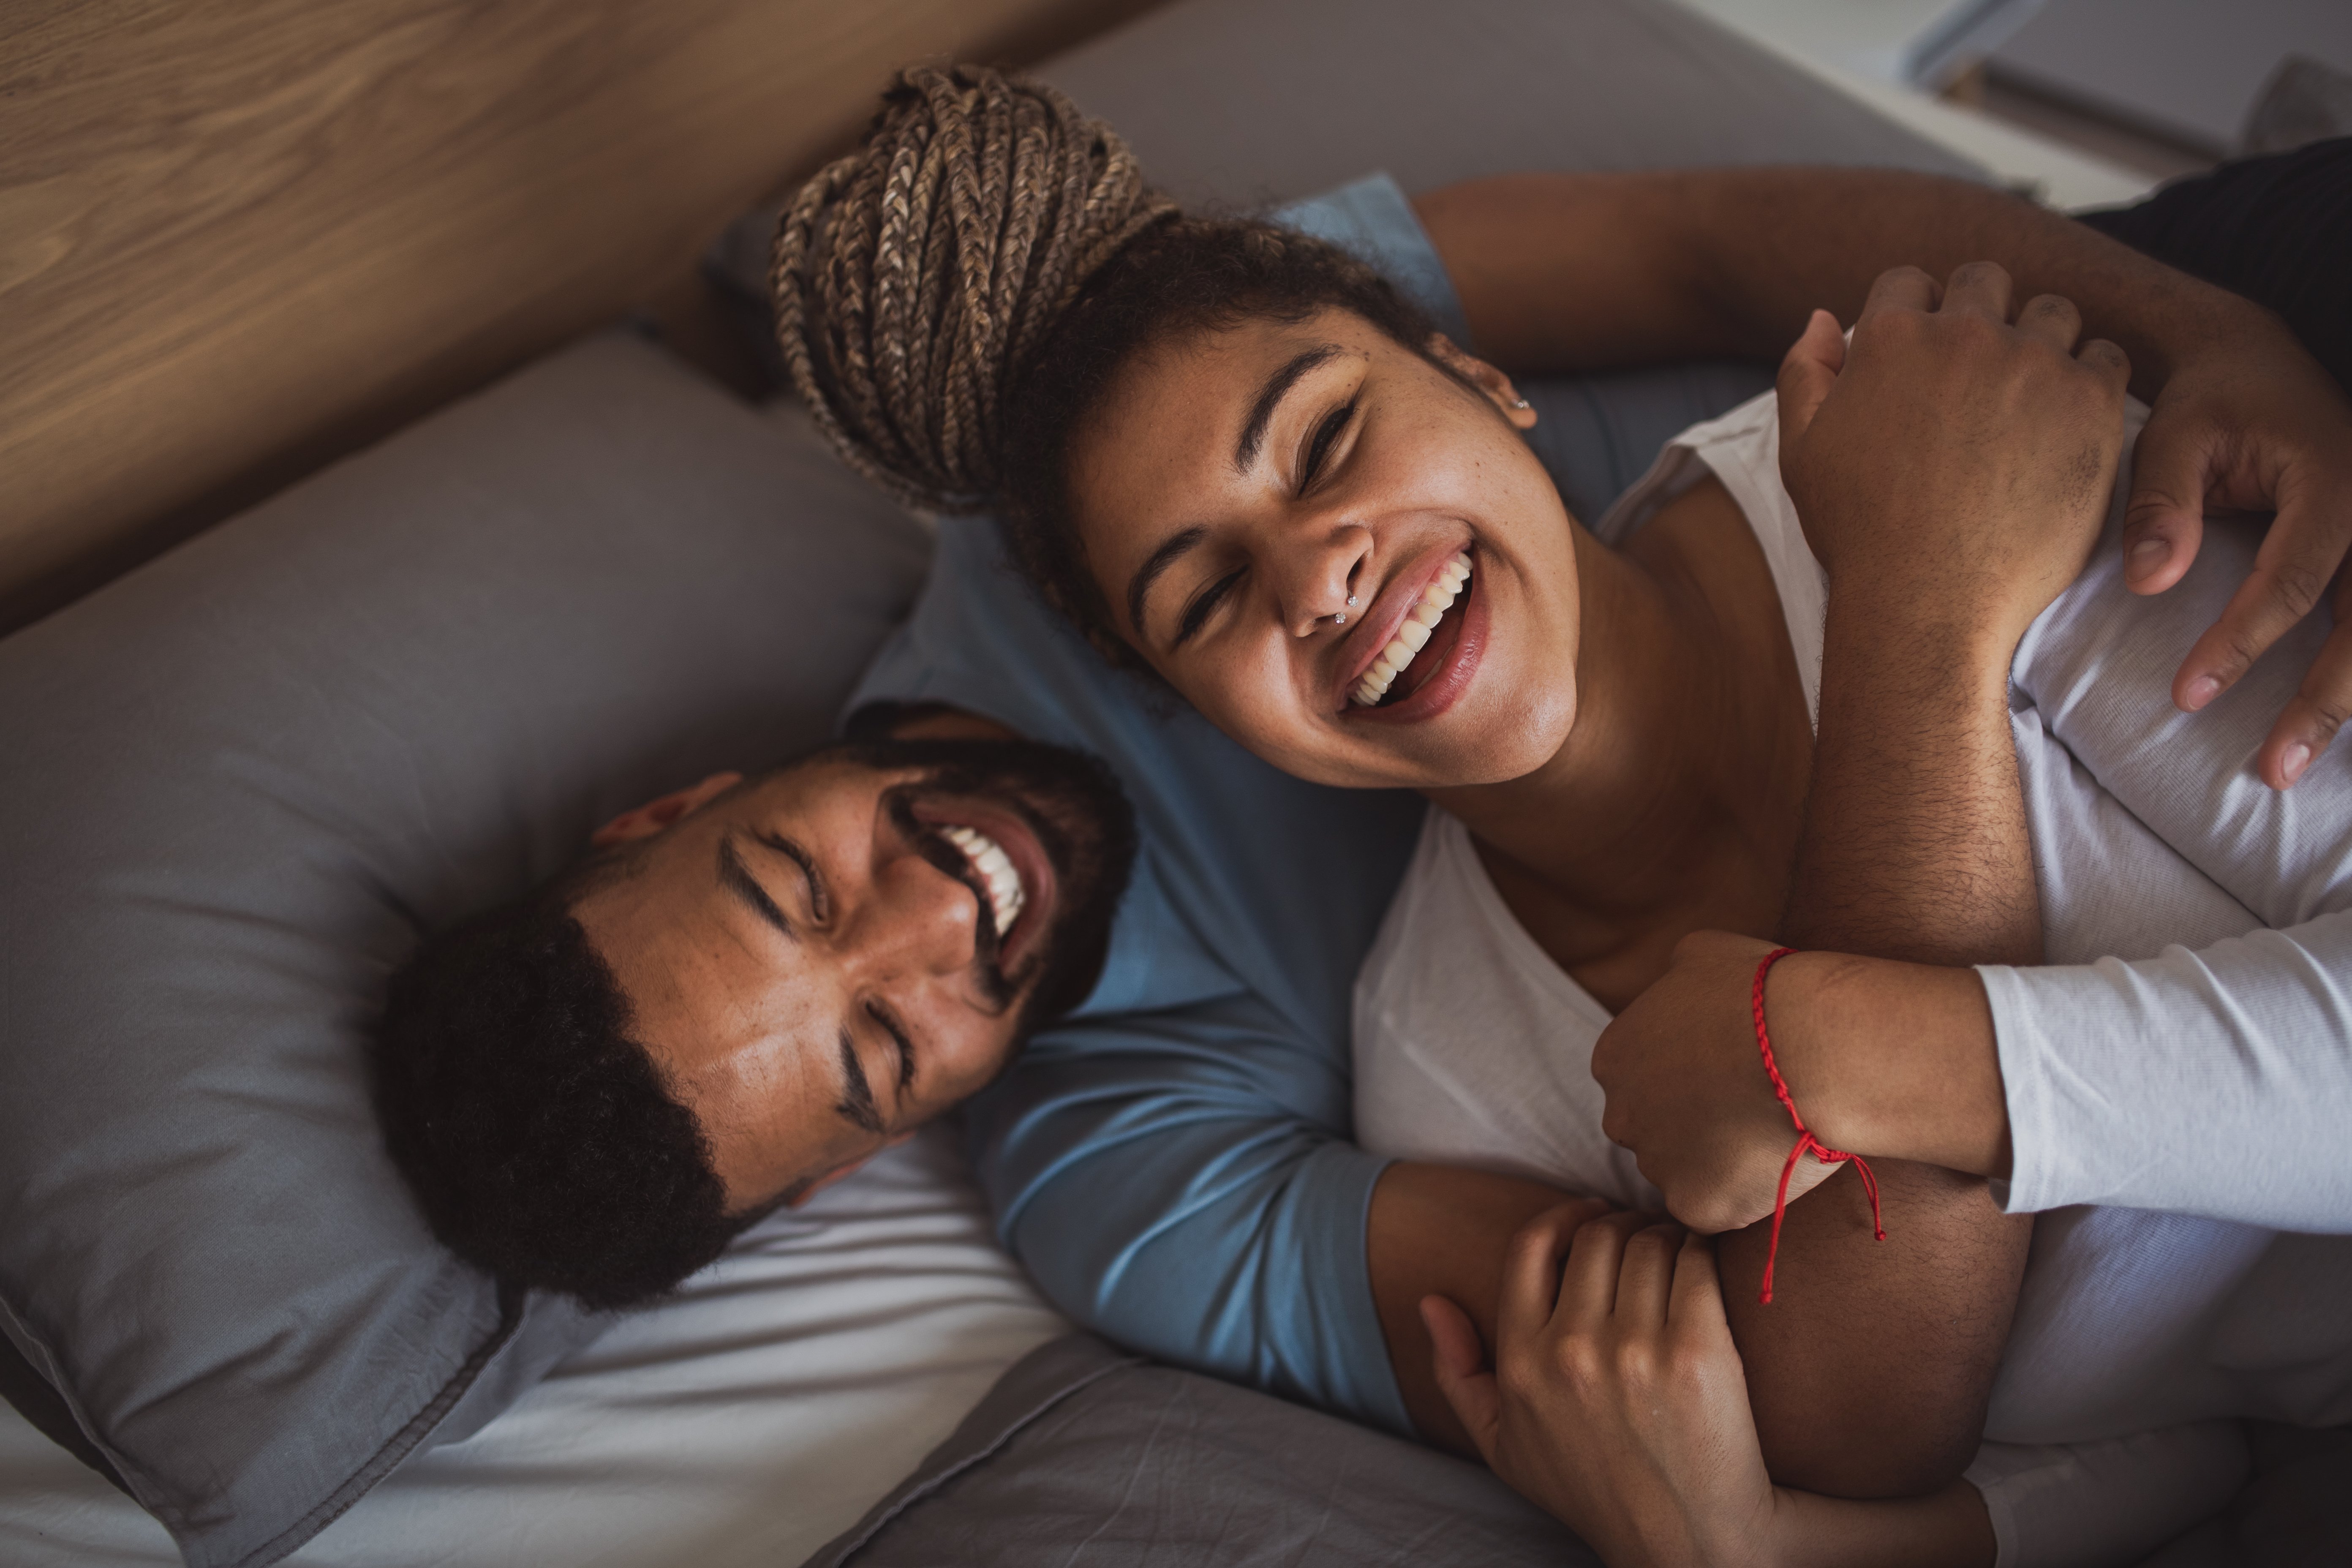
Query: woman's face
x=1239 y=492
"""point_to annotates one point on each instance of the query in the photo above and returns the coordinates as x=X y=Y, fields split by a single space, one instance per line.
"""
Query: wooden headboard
x=241 y=237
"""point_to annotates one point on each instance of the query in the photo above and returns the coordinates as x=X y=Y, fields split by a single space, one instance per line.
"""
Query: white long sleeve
x=2176 y=1054
x=2109 y=1503
x=2215 y=1082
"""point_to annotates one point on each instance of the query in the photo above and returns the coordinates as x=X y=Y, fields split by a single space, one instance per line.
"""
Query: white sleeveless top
x=1473 y=1047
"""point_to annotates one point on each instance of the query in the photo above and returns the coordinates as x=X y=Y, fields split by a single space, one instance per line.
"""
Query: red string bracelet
x=1805 y=1139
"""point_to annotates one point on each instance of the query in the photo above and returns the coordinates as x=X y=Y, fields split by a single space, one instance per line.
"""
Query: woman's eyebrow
x=1172 y=550
x=1269 y=397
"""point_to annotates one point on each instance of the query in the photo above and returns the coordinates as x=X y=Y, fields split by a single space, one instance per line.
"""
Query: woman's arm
x=2142 y=1084
x=1573 y=272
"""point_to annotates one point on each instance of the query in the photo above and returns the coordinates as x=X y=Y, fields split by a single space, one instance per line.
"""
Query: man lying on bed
x=1174 y=1166
x=746 y=990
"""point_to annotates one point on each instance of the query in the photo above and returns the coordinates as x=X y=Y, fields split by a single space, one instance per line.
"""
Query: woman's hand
x=1619 y=1405
x=1953 y=463
x=1617 y=1402
x=1689 y=1094
x=1882 y=1058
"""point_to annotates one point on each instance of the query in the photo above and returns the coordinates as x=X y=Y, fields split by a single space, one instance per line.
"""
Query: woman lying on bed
x=1236 y=458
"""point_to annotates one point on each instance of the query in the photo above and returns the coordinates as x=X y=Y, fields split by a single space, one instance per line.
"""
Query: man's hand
x=2253 y=422
x=1581 y=272
x=1618 y=1403
x=1953 y=465
x=1883 y=1059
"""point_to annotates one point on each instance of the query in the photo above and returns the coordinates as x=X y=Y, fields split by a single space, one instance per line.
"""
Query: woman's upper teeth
x=1413 y=633
x=1006 y=894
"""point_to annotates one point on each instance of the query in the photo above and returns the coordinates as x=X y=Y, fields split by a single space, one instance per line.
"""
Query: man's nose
x=916 y=920
x=1317 y=568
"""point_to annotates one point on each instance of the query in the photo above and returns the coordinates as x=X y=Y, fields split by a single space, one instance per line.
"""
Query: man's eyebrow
x=736 y=878
x=1173 y=550
x=858 y=1095
x=1269 y=397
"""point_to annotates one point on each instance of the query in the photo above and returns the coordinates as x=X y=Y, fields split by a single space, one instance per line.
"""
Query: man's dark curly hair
x=538 y=1137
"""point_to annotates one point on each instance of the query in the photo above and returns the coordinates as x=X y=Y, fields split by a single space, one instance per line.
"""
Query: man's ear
x=1485 y=378
x=655 y=814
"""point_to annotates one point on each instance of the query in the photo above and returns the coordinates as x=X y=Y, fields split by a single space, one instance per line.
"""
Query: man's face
x=822 y=959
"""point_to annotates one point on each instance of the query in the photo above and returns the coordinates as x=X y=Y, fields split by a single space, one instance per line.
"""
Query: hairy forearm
x=1562 y=272
x=1871 y=1369
x=1915 y=844
x=1914 y=848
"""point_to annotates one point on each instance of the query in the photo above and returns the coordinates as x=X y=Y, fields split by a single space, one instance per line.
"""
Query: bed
x=575 y=573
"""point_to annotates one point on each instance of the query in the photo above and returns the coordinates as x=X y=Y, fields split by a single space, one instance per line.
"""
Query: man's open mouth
x=996 y=872
x=986 y=844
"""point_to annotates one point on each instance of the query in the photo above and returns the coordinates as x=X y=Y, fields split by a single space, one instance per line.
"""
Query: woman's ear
x=1485 y=378
x=650 y=818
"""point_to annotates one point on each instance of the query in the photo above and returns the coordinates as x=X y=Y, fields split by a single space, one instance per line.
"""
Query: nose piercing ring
x=1518 y=403
x=1341 y=618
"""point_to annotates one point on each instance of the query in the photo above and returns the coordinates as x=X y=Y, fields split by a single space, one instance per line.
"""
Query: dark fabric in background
x=2276 y=229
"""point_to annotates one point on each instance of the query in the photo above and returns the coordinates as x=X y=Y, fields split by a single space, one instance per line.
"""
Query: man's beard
x=1073 y=804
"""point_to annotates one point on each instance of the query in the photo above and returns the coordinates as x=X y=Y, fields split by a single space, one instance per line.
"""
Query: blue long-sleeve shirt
x=1173 y=1163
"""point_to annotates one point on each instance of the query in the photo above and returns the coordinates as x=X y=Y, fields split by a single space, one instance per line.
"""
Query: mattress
x=749 y=1421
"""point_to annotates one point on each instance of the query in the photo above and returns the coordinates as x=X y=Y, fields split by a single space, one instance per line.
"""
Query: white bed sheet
x=749 y=1421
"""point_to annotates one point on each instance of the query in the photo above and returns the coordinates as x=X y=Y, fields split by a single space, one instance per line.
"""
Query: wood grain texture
x=240 y=238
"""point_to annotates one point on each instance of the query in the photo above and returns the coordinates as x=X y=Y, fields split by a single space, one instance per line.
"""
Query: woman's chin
x=1436 y=758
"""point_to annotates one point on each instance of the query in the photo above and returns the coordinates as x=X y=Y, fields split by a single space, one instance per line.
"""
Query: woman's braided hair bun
x=914 y=276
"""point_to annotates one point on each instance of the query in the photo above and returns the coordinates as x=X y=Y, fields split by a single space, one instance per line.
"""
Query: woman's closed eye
x=1196 y=613
x=1318 y=445
x=1320 y=442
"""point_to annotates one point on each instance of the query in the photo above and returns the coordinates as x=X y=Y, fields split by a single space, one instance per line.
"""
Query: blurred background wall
x=2139 y=90
x=240 y=238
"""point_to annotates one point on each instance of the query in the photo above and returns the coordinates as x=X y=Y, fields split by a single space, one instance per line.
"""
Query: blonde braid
x=913 y=276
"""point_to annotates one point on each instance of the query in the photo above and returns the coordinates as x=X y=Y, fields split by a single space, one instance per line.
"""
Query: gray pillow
x=242 y=781
x=1086 y=1458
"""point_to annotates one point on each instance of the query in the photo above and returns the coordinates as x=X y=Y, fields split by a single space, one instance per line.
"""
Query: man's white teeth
x=1005 y=895
x=1413 y=633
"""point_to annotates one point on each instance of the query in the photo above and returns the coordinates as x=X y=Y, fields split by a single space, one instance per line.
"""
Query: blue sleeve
x=1168 y=1179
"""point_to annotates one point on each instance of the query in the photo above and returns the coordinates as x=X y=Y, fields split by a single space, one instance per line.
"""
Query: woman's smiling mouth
x=1413 y=633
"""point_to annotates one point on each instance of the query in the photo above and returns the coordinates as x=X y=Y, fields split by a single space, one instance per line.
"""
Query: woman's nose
x=1317 y=582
